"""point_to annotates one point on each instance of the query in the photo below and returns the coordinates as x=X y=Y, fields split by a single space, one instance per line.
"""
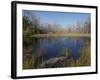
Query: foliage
x=32 y=26
x=85 y=57
x=83 y=60
x=29 y=28
x=65 y=52
x=70 y=62
x=29 y=62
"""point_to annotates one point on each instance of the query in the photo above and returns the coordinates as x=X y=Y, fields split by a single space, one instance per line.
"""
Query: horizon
x=65 y=19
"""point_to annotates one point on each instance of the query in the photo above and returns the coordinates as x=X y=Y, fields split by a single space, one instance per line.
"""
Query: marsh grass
x=83 y=60
x=85 y=57
x=29 y=59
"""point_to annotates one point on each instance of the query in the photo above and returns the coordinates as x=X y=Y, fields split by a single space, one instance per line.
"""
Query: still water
x=53 y=46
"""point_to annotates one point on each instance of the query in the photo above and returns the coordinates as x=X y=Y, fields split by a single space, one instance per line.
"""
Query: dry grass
x=62 y=35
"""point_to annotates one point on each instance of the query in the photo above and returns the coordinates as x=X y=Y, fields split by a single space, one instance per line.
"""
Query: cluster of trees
x=31 y=23
x=81 y=27
x=30 y=27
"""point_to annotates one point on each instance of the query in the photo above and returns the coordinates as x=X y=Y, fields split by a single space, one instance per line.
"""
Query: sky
x=62 y=18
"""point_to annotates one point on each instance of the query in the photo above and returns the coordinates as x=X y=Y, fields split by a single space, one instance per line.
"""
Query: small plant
x=65 y=52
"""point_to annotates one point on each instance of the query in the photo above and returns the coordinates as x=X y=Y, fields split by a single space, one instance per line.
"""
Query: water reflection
x=47 y=48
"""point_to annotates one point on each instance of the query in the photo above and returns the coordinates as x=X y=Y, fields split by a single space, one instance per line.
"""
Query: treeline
x=79 y=27
x=33 y=25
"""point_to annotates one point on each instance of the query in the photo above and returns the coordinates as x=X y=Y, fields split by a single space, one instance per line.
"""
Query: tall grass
x=85 y=57
x=29 y=62
x=83 y=60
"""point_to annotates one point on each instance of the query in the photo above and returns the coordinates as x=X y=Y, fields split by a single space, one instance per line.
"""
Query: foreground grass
x=85 y=57
x=83 y=60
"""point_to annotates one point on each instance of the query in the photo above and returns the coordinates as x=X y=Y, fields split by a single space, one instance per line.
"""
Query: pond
x=47 y=48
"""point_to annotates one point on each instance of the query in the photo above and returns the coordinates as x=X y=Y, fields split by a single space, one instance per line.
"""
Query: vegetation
x=32 y=25
x=29 y=62
x=32 y=28
x=83 y=60
x=61 y=35
x=65 y=52
x=85 y=57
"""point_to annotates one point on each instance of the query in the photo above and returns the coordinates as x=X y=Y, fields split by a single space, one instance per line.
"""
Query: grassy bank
x=62 y=35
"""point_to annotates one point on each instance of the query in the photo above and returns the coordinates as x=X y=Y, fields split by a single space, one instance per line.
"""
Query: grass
x=28 y=59
x=85 y=57
x=62 y=34
x=29 y=63
x=83 y=60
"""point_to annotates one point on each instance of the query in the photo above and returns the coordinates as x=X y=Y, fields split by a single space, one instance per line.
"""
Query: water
x=52 y=46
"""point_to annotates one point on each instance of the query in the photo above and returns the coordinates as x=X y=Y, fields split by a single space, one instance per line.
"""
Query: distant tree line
x=79 y=27
x=32 y=24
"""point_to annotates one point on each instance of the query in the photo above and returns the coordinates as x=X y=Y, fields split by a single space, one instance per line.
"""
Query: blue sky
x=62 y=18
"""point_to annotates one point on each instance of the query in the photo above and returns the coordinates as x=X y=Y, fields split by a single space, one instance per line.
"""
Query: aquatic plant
x=65 y=52
x=85 y=57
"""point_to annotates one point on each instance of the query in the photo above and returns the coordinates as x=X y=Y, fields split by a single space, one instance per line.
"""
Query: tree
x=30 y=26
